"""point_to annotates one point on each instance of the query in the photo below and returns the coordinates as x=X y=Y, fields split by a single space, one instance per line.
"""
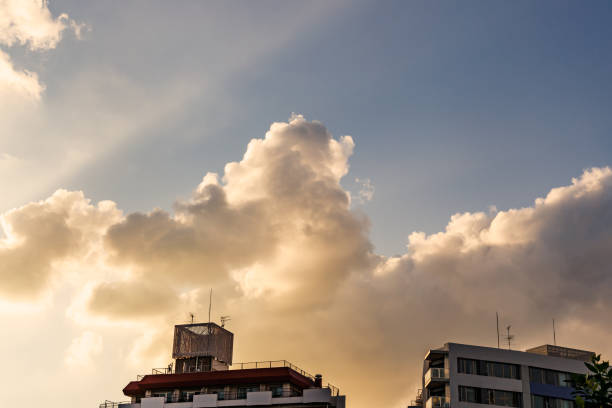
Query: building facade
x=466 y=376
x=203 y=375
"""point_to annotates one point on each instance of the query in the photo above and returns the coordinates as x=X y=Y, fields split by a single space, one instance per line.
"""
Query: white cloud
x=18 y=83
x=83 y=350
x=28 y=23
x=366 y=190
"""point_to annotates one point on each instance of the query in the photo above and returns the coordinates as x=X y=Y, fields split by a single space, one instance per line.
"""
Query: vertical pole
x=209 y=306
x=554 y=333
x=497 y=319
x=208 y=327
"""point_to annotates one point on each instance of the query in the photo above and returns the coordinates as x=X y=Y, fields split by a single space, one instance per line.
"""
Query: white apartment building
x=466 y=376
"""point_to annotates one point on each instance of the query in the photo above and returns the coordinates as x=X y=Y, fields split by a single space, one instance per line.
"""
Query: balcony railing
x=111 y=404
x=270 y=364
x=436 y=374
x=437 y=402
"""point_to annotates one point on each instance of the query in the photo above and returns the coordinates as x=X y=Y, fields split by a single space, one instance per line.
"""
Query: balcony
x=437 y=402
x=436 y=375
x=260 y=398
x=111 y=404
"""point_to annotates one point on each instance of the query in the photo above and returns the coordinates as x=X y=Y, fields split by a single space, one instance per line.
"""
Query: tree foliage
x=594 y=389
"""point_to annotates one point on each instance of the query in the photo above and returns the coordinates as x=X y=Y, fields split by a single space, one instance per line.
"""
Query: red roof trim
x=212 y=378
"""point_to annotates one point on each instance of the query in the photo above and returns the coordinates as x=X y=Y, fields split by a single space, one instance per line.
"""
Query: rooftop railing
x=243 y=366
x=270 y=364
x=111 y=404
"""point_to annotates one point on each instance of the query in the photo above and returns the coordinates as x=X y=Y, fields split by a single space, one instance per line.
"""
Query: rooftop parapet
x=563 y=352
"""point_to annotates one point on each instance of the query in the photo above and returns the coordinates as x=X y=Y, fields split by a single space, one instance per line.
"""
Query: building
x=465 y=376
x=204 y=375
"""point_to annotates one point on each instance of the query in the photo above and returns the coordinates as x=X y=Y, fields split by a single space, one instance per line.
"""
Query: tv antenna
x=554 y=333
x=497 y=321
x=224 y=319
x=509 y=337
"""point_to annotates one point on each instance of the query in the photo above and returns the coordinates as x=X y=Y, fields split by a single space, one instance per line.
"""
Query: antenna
x=209 y=305
x=554 y=333
x=208 y=331
x=192 y=316
x=509 y=337
x=497 y=321
x=224 y=319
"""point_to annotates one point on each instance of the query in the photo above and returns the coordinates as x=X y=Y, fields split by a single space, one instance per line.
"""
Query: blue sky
x=453 y=106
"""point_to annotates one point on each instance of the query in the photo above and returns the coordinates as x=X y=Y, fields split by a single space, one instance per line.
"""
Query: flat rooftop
x=563 y=352
x=221 y=378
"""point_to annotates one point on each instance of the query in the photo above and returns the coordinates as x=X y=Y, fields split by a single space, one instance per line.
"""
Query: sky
x=357 y=182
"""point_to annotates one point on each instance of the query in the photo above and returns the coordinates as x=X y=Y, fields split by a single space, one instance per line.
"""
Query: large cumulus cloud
x=292 y=263
x=278 y=221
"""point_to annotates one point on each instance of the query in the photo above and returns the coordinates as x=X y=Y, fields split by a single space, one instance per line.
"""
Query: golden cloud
x=292 y=263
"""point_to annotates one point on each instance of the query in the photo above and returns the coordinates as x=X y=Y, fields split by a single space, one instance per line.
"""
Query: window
x=277 y=391
x=488 y=368
x=242 y=391
x=467 y=394
x=187 y=396
x=505 y=398
x=550 y=377
x=492 y=397
x=467 y=366
x=538 y=401
x=166 y=394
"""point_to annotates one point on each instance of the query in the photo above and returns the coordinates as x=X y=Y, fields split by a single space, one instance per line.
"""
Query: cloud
x=293 y=265
x=38 y=235
x=83 y=350
x=279 y=219
x=366 y=190
x=28 y=23
x=18 y=83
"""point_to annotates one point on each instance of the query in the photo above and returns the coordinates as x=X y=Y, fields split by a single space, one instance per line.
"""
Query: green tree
x=594 y=389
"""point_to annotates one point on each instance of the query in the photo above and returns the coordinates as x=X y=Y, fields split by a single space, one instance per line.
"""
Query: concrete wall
x=525 y=360
x=259 y=398
x=204 y=400
x=152 y=402
x=317 y=395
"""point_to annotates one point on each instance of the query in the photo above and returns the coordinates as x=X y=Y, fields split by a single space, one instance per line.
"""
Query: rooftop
x=277 y=371
x=213 y=378
x=543 y=350
x=563 y=352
